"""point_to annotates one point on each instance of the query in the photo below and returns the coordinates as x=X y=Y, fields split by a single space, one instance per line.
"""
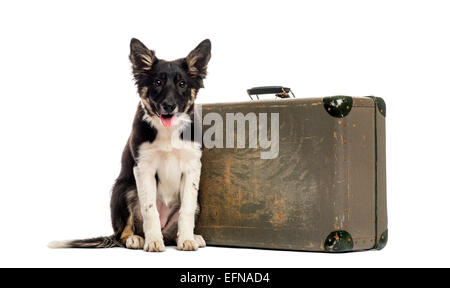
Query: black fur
x=99 y=242
x=169 y=73
x=141 y=132
x=159 y=82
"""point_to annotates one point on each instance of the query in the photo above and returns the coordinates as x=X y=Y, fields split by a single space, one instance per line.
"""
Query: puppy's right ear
x=141 y=57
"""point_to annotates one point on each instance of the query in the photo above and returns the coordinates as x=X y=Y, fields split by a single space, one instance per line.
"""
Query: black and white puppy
x=154 y=199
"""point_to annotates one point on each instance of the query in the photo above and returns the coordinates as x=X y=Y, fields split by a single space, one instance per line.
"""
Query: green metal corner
x=339 y=241
x=338 y=106
x=382 y=241
x=381 y=105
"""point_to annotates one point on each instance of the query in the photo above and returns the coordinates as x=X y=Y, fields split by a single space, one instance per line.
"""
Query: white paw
x=187 y=244
x=135 y=242
x=200 y=241
x=154 y=246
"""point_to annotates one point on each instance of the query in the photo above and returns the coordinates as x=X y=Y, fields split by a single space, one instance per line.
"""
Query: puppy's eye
x=182 y=84
x=157 y=83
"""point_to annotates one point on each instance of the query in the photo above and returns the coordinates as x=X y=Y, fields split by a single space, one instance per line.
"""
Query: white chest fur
x=170 y=157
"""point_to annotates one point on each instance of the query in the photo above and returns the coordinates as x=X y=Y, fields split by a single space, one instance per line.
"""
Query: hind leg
x=135 y=242
x=200 y=241
x=128 y=238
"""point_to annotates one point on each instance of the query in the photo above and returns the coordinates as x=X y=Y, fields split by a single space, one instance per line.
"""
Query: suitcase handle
x=279 y=91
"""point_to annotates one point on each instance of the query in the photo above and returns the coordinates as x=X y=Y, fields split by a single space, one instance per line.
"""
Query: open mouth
x=168 y=119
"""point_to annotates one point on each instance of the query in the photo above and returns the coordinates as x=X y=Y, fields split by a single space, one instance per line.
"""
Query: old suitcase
x=325 y=190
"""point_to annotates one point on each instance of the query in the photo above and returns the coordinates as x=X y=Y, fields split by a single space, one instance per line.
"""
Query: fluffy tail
x=99 y=242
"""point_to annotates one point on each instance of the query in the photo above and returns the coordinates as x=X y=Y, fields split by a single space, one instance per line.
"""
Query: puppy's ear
x=197 y=60
x=141 y=57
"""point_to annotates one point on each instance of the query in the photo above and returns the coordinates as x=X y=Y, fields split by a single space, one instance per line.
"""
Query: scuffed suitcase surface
x=319 y=194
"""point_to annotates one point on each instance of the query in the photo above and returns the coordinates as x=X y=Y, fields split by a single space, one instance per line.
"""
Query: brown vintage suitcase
x=325 y=191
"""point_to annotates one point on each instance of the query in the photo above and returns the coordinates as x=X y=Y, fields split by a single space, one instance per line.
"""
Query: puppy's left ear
x=197 y=60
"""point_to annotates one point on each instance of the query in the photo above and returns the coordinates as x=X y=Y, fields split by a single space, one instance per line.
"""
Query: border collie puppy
x=154 y=199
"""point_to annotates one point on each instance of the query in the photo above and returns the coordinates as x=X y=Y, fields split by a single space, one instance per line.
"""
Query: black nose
x=168 y=107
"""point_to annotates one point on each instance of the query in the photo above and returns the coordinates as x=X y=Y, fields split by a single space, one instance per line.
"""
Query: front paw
x=154 y=245
x=188 y=244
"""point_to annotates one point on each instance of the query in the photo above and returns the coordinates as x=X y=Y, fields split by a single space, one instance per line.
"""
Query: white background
x=67 y=102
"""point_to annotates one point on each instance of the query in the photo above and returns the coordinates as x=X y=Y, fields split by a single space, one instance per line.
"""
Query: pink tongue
x=168 y=121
